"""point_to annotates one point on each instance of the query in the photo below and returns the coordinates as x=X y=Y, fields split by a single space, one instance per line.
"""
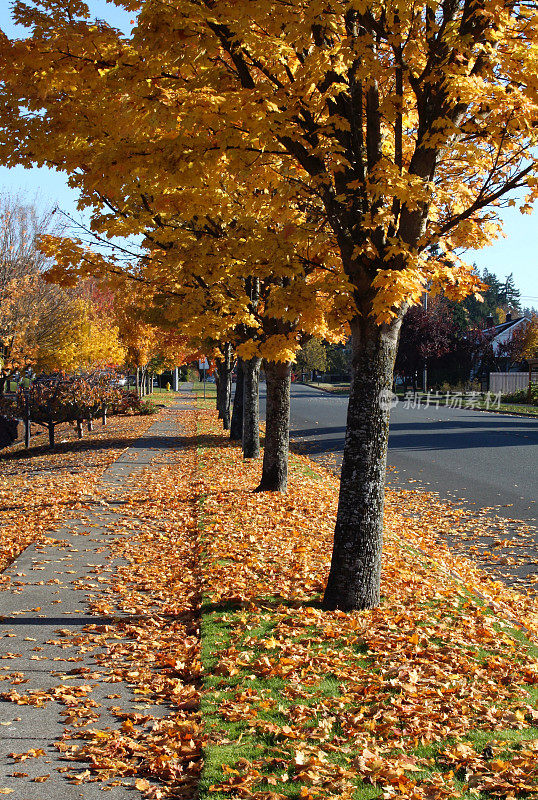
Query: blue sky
x=517 y=252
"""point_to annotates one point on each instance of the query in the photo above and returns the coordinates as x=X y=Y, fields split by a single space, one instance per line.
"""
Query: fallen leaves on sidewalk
x=144 y=643
x=152 y=597
x=39 y=486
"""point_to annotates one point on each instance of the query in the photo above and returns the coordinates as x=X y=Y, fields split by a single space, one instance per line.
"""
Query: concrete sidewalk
x=43 y=605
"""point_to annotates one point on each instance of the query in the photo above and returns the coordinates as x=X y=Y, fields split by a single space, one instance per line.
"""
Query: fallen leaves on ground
x=39 y=486
x=144 y=642
x=427 y=697
x=330 y=700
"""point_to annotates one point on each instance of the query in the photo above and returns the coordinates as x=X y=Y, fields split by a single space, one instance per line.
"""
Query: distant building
x=500 y=335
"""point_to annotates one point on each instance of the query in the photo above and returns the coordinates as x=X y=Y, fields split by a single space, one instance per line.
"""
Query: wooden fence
x=508 y=382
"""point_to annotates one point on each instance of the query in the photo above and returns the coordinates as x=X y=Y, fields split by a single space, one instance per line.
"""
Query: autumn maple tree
x=395 y=127
x=408 y=124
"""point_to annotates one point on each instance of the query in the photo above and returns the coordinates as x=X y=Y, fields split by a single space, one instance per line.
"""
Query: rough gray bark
x=236 y=426
x=277 y=428
x=354 y=579
x=224 y=386
x=217 y=390
x=251 y=409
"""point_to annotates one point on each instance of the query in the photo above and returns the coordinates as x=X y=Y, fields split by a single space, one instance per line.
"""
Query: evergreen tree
x=509 y=295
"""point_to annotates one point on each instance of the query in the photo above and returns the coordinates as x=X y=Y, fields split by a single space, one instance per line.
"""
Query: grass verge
x=432 y=695
x=521 y=409
x=332 y=388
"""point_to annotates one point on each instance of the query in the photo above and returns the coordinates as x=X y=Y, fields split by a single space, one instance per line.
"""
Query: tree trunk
x=354 y=578
x=224 y=389
x=217 y=391
x=90 y=422
x=138 y=389
x=27 y=424
x=236 y=426
x=251 y=409
x=51 y=433
x=103 y=414
x=79 y=428
x=277 y=428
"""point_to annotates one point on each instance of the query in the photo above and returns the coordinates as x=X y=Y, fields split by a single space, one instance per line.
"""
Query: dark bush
x=521 y=396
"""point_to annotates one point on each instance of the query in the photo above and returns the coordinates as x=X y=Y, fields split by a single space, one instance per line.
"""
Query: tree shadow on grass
x=226 y=606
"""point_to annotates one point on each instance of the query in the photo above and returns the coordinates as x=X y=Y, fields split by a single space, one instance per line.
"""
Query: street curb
x=485 y=410
x=321 y=389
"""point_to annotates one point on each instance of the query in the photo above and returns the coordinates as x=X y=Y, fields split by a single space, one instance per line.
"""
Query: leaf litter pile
x=433 y=695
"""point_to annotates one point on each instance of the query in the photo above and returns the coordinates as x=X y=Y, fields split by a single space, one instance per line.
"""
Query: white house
x=501 y=334
x=515 y=378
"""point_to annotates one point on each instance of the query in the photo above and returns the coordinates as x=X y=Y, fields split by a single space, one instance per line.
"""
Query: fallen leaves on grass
x=498 y=769
x=357 y=698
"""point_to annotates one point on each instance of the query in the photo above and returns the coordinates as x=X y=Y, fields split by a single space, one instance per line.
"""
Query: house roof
x=504 y=326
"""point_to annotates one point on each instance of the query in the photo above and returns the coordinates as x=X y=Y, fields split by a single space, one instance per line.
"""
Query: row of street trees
x=292 y=170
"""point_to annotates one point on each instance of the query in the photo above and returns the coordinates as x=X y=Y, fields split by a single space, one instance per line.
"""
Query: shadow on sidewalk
x=144 y=442
x=185 y=617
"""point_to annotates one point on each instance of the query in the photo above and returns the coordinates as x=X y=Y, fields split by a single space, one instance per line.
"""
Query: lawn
x=432 y=695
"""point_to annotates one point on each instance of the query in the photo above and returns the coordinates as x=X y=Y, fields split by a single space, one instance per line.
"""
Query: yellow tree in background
x=92 y=339
x=149 y=347
x=45 y=327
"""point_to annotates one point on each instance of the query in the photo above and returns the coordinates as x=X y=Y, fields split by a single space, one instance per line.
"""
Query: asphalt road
x=483 y=459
